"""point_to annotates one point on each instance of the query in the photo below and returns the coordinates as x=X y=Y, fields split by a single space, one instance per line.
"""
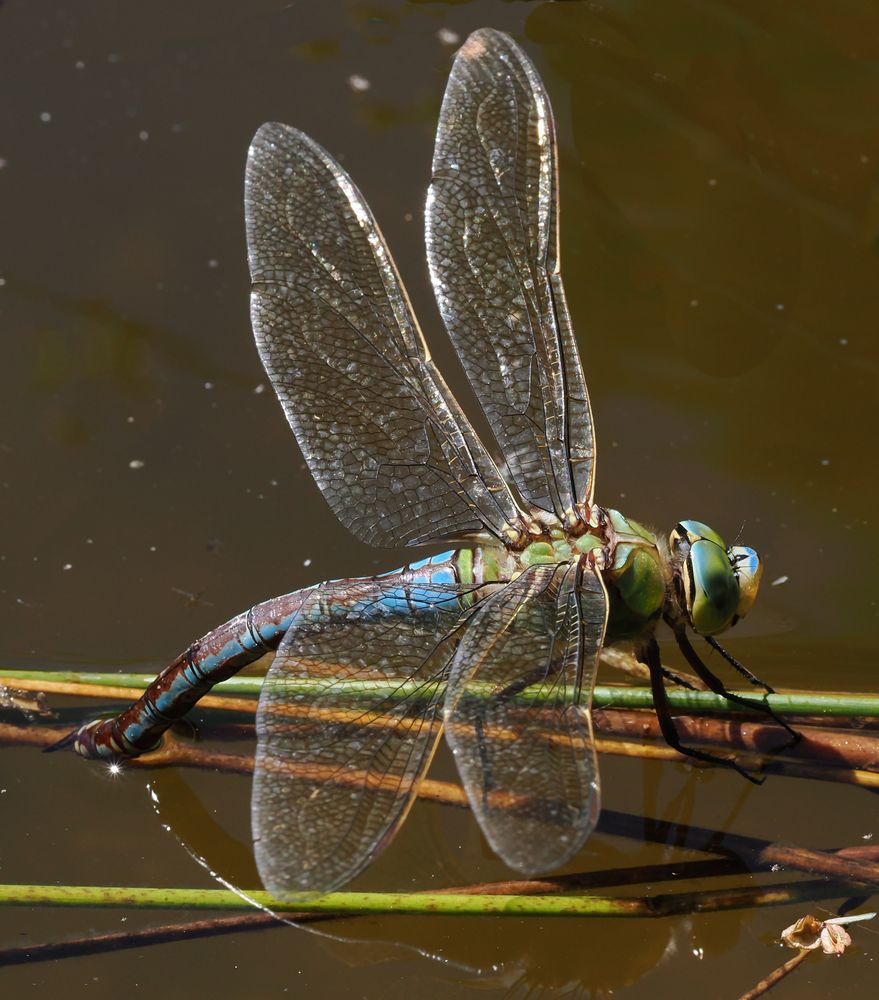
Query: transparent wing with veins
x=492 y=246
x=517 y=714
x=382 y=434
x=338 y=765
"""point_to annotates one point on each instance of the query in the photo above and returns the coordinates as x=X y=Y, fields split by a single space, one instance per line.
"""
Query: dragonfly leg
x=716 y=685
x=482 y=747
x=666 y=722
x=738 y=665
x=535 y=676
x=676 y=679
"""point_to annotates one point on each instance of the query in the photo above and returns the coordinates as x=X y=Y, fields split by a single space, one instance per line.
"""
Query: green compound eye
x=711 y=587
x=748 y=569
x=693 y=531
x=718 y=585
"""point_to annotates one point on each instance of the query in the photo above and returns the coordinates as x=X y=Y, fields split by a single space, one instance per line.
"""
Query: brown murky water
x=720 y=216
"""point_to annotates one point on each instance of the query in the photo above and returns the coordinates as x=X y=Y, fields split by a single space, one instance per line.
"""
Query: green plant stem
x=433 y=903
x=605 y=696
x=422 y=903
x=667 y=905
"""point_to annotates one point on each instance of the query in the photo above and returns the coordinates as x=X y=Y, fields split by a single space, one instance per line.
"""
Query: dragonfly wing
x=337 y=769
x=492 y=245
x=383 y=436
x=517 y=714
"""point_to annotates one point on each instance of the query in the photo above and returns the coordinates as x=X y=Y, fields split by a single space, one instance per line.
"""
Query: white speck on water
x=79 y=64
x=825 y=461
x=358 y=83
x=143 y=135
x=67 y=566
x=712 y=182
x=306 y=562
x=448 y=37
x=867 y=836
x=136 y=463
x=45 y=116
x=213 y=263
x=209 y=385
x=779 y=306
x=408 y=217
x=259 y=389
x=2 y=282
x=843 y=341
x=129 y=420
x=3 y=162
x=694 y=303
x=779 y=580
x=153 y=548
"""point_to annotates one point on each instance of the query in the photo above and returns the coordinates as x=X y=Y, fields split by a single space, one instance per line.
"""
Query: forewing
x=383 y=436
x=338 y=766
x=492 y=245
x=517 y=714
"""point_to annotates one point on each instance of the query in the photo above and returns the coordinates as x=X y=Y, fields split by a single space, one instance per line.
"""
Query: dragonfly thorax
x=694 y=580
x=631 y=559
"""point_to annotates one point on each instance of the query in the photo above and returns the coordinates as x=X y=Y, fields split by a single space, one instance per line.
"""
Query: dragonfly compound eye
x=688 y=532
x=748 y=569
x=717 y=586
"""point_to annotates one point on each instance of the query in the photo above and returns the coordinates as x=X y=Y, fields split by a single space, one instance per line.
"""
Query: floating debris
x=809 y=933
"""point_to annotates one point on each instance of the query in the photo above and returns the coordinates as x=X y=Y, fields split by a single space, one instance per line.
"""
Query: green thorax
x=635 y=579
x=633 y=570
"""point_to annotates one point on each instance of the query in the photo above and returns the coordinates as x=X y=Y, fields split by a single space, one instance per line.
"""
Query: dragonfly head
x=715 y=585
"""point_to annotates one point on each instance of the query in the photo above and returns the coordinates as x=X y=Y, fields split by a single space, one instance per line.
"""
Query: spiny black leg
x=487 y=780
x=666 y=722
x=738 y=665
x=716 y=685
x=674 y=678
x=538 y=675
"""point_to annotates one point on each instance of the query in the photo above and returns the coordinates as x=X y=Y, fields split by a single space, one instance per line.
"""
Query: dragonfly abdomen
x=449 y=580
x=213 y=658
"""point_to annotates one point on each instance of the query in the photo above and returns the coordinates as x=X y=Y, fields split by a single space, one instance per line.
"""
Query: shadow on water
x=522 y=957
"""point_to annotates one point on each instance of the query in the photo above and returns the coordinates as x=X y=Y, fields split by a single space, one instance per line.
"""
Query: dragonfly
x=493 y=643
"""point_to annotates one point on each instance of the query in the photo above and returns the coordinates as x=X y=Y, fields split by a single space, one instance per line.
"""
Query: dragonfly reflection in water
x=496 y=643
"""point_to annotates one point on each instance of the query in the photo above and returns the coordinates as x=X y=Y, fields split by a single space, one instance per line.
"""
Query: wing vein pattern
x=383 y=436
x=517 y=714
x=492 y=246
x=337 y=769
